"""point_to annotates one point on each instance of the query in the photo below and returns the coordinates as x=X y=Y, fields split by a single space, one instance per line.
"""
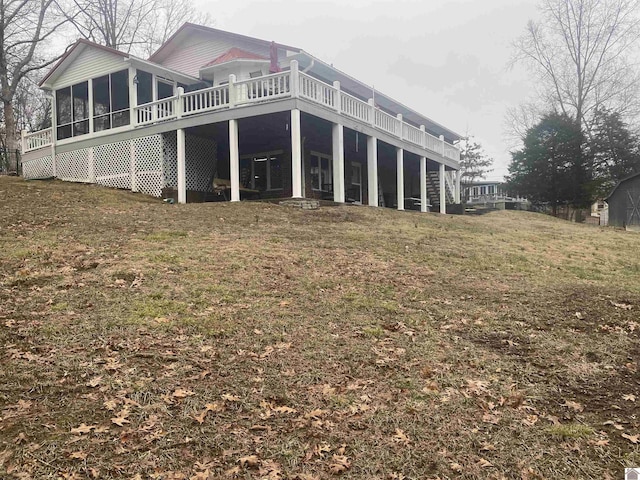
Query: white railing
x=317 y=91
x=286 y=84
x=451 y=152
x=386 y=122
x=413 y=134
x=260 y=89
x=205 y=100
x=160 y=110
x=433 y=143
x=36 y=140
x=354 y=107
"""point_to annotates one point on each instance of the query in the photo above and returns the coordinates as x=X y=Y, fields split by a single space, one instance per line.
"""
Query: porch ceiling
x=330 y=74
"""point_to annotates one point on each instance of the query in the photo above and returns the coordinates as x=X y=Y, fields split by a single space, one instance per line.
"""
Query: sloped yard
x=142 y=340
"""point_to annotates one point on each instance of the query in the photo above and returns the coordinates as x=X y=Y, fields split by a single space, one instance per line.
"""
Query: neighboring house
x=493 y=195
x=624 y=204
x=214 y=114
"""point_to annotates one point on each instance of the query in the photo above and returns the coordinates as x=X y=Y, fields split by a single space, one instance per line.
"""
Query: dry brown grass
x=145 y=340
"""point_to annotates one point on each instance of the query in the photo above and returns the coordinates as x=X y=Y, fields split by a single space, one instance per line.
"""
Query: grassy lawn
x=142 y=340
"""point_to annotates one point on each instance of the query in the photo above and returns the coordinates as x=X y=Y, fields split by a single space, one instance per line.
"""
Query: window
x=483 y=190
x=72 y=111
x=256 y=74
x=262 y=172
x=111 y=101
x=145 y=87
x=491 y=189
x=321 y=176
x=165 y=88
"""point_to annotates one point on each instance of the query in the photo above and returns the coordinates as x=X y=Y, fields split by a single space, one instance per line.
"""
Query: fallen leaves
x=401 y=437
x=632 y=438
x=182 y=393
x=83 y=428
x=573 y=405
x=339 y=464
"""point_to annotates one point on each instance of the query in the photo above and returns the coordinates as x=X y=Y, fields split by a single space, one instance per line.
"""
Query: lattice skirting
x=145 y=164
x=38 y=168
x=201 y=155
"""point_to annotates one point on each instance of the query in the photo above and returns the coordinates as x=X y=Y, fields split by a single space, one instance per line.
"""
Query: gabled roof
x=637 y=174
x=73 y=51
x=234 y=54
x=186 y=28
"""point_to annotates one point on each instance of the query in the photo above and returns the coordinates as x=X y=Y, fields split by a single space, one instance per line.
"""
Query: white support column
x=154 y=96
x=443 y=192
x=179 y=106
x=458 y=179
x=423 y=185
x=442 y=145
x=90 y=105
x=182 y=170
x=338 y=162
x=296 y=154
x=92 y=165
x=234 y=160
x=372 y=110
x=400 y=177
x=132 y=166
x=54 y=133
x=372 y=170
x=295 y=78
x=133 y=97
x=338 y=97
x=232 y=91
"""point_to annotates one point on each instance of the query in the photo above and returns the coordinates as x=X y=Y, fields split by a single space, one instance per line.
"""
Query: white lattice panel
x=170 y=159
x=201 y=158
x=113 y=164
x=37 y=168
x=148 y=163
x=73 y=166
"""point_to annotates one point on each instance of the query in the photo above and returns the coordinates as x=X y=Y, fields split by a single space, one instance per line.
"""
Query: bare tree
x=581 y=51
x=133 y=26
x=25 y=25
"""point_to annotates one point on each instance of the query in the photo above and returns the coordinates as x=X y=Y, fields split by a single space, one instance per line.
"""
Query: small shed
x=624 y=203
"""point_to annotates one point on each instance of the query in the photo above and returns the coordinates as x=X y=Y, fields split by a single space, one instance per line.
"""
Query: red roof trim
x=234 y=54
x=70 y=50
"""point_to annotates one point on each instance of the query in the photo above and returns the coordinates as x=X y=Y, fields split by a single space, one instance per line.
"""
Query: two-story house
x=213 y=112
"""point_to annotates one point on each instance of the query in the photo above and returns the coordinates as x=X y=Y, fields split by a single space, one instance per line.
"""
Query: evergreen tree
x=552 y=168
x=615 y=151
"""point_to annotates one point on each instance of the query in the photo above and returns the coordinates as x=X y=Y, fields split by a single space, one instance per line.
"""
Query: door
x=356 y=182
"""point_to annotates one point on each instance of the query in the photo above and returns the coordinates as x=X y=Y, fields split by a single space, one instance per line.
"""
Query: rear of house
x=214 y=115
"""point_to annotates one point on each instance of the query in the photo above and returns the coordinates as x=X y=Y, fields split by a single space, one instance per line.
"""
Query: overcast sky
x=447 y=59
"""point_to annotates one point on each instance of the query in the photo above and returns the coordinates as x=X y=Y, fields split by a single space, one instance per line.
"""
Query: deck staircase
x=433 y=190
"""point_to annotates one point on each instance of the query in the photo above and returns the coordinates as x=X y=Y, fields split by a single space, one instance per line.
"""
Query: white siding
x=90 y=63
x=200 y=48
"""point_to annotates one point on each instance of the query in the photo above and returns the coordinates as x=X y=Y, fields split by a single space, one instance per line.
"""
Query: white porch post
x=23 y=141
x=234 y=160
x=338 y=162
x=296 y=155
x=92 y=165
x=458 y=178
x=90 y=104
x=443 y=193
x=54 y=132
x=423 y=184
x=132 y=166
x=133 y=97
x=182 y=170
x=400 y=177
x=372 y=170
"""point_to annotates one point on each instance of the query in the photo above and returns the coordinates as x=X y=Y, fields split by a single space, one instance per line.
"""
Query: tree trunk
x=11 y=137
